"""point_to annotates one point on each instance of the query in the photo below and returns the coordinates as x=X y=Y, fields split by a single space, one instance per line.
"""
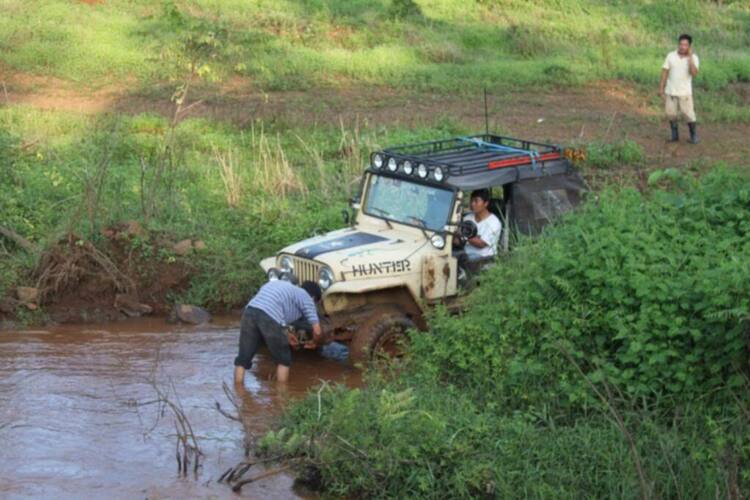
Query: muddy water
x=75 y=418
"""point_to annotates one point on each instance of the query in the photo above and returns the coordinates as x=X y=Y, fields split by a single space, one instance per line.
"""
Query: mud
x=75 y=418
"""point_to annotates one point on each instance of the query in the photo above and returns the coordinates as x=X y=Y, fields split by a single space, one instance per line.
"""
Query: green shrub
x=648 y=293
x=607 y=155
x=431 y=441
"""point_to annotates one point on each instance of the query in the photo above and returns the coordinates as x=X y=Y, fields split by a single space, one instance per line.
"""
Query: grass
x=245 y=191
x=445 y=46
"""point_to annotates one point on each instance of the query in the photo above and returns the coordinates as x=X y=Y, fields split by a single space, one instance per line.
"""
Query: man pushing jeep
x=676 y=87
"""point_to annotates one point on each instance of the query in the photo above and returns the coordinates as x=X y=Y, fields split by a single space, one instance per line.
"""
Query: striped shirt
x=285 y=303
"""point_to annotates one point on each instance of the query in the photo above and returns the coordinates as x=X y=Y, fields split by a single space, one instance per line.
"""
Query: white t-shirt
x=488 y=230
x=680 y=81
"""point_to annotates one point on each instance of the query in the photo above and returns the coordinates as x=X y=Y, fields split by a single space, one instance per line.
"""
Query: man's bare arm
x=478 y=242
x=663 y=83
x=317 y=337
x=691 y=65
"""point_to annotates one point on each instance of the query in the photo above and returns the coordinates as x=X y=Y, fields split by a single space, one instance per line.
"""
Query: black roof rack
x=476 y=160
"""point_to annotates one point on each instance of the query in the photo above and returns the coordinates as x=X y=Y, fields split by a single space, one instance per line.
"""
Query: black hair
x=312 y=289
x=687 y=37
x=484 y=194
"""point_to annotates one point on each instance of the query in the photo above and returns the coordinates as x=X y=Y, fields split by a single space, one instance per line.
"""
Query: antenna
x=486 y=116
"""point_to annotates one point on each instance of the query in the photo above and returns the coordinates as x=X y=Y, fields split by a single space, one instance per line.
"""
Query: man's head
x=480 y=200
x=684 y=43
x=312 y=289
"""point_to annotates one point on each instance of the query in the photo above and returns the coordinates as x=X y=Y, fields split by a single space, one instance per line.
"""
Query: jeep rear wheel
x=381 y=338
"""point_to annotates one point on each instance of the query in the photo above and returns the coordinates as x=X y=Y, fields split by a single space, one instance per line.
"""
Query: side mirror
x=345 y=214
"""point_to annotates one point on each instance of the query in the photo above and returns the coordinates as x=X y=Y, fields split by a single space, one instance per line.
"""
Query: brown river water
x=75 y=418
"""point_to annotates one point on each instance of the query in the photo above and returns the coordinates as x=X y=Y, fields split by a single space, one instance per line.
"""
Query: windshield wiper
x=384 y=214
x=422 y=226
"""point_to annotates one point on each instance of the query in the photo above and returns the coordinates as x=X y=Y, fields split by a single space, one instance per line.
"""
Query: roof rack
x=472 y=154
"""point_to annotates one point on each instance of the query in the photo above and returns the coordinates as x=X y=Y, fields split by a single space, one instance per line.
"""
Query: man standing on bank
x=676 y=86
x=277 y=304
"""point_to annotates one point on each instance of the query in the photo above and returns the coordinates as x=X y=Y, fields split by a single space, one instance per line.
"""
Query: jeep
x=402 y=250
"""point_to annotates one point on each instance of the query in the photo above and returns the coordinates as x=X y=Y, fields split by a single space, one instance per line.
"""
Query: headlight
x=422 y=170
x=408 y=167
x=287 y=264
x=392 y=165
x=325 y=278
x=438 y=174
x=377 y=161
x=273 y=274
x=288 y=276
x=438 y=241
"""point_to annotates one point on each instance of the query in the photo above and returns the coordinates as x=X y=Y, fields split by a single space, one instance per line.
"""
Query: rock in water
x=129 y=305
x=191 y=314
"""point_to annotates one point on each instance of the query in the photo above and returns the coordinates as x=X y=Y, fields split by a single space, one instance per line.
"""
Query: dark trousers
x=259 y=328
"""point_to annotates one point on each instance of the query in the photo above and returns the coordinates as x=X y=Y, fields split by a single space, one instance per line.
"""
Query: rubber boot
x=675 y=132
x=693 y=133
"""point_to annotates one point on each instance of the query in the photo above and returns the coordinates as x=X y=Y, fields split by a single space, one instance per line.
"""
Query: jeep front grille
x=305 y=269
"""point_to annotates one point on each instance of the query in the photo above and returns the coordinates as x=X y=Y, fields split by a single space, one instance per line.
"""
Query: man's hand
x=292 y=339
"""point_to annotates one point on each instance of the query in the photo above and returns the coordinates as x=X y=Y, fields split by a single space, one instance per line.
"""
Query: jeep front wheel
x=380 y=338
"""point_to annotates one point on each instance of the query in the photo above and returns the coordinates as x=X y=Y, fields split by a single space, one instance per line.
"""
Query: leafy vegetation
x=615 y=364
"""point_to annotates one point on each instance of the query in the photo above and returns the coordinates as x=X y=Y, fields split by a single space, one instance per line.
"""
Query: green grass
x=448 y=45
x=245 y=192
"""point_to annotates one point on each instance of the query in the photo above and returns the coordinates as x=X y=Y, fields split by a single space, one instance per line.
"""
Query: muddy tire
x=380 y=339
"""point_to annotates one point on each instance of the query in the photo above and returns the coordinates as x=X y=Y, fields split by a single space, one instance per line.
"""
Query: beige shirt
x=680 y=81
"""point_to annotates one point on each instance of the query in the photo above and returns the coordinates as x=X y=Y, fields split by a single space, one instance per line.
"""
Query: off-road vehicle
x=402 y=250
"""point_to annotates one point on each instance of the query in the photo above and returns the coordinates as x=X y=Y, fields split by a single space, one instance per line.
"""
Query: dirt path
x=602 y=111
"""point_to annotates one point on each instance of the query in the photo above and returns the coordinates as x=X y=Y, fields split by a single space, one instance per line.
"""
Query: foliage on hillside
x=422 y=44
x=608 y=358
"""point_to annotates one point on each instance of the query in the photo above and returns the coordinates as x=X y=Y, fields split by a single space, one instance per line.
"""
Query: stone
x=27 y=293
x=199 y=245
x=191 y=314
x=31 y=306
x=183 y=247
x=130 y=306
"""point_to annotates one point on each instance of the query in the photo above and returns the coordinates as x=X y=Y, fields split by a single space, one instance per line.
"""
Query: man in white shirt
x=676 y=86
x=489 y=227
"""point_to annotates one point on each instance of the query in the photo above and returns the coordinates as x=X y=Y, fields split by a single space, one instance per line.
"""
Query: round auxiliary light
x=273 y=274
x=325 y=278
x=438 y=241
x=392 y=165
x=408 y=167
x=287 y=264
x=422 y=170
x=438 y=174
x=377 y=161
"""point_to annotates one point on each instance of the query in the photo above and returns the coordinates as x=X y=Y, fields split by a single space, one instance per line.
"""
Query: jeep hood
x=353 y=251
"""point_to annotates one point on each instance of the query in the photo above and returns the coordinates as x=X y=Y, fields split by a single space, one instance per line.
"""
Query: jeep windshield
x=408 y=202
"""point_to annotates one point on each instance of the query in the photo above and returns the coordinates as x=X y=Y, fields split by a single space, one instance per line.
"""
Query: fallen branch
x=238 y=486
x=18 y=239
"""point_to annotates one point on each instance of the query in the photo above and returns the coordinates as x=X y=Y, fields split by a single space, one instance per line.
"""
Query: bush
x=432 y=441
x=610 y=155
x=648 y=293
